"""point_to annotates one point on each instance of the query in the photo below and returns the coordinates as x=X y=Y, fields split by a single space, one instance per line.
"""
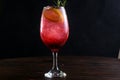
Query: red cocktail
x=54 y=27
x=54 y=32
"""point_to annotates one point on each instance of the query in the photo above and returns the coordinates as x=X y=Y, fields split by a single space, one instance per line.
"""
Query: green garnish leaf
x=59 y=3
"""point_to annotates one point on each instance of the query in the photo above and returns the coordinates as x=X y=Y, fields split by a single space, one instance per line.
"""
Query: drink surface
x=54 y=29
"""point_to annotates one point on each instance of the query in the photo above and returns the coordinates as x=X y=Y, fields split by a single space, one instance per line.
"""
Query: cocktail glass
x=54 y=32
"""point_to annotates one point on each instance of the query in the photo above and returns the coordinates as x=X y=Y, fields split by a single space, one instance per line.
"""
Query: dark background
x=94 y=28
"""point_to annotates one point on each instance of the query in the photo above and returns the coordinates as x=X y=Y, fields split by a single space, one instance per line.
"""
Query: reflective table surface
x=76 y=67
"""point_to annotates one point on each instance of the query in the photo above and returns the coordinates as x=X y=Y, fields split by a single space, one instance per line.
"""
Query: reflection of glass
x=54 y=33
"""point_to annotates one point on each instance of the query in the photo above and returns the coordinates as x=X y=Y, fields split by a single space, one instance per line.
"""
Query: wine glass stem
x=55 y=61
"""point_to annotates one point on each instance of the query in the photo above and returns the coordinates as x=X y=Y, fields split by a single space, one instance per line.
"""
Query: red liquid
x=54 y=29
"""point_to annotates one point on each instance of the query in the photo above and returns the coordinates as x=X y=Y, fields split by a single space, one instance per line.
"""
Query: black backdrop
x=94 y=28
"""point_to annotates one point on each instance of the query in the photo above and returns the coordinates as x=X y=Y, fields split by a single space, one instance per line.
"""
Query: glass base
x=55 y=74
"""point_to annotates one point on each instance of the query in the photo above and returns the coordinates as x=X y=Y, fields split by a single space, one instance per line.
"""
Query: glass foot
x=55 y=74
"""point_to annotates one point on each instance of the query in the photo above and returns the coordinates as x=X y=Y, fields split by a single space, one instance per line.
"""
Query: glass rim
x=53 y=7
